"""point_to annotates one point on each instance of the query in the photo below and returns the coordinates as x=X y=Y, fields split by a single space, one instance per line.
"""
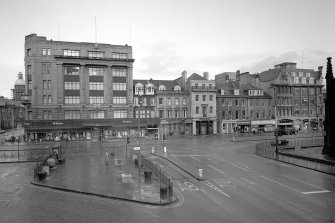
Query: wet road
x=238 y=187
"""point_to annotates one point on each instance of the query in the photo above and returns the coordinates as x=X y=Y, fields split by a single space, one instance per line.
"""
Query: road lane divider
x=246 y=170
x=195 y=158
x=209 y=184
x=216 y=169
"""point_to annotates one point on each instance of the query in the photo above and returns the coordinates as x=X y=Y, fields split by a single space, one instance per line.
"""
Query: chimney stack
x=183 y=79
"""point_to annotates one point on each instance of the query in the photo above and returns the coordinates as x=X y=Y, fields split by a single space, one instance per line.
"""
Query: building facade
x=297 y=96
x=11 y=114
x=77 y=90
x=203 y=104
x=243 y=108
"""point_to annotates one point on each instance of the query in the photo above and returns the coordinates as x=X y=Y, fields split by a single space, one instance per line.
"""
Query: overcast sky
x=175 y=35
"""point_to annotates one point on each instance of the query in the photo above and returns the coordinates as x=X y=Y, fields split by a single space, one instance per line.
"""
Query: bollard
x=200 y=173
x=153 y=150
x=164 y=149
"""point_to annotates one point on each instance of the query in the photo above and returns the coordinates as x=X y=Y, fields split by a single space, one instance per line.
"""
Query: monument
x=329 y=122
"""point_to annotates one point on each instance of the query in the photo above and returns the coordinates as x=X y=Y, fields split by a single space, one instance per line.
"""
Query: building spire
x=329 y=73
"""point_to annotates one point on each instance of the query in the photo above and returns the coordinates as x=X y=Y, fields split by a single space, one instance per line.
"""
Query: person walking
x=107 y=158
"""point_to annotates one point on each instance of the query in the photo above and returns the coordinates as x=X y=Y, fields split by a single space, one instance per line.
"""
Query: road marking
x=216 y=169
x=282 y=184
x=189 y=155
x=240 y=167
x=316 y=192
x=209 y=184
x=195 y=159
x=157 y=164
x=243 y=165
x=322 y=189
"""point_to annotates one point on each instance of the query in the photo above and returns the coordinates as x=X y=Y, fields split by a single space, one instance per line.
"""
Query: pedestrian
x=107 y=158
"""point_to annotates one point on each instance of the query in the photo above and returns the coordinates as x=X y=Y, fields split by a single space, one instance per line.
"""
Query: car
x=2 y=131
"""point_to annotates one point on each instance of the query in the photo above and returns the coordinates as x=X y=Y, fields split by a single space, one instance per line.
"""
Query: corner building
x=77 y=90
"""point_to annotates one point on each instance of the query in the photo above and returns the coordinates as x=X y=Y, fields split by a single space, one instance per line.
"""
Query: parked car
x=2 y=131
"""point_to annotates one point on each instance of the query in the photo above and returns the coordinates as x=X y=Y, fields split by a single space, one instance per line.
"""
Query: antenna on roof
x=95 y=29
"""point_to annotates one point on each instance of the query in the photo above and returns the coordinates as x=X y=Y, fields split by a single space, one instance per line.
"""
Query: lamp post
x=139 y=93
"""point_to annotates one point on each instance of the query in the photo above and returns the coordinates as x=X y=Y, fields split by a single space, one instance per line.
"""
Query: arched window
x=296 y=80
x=149 y=89
x=303 y=80
x=139 y=88
x=177 y=88
x=161 y=88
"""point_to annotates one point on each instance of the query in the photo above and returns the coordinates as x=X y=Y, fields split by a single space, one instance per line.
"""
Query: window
x=251 y=114
x=30 y=85
x=29 y=70
x=197 y=98
x=97 y=114
x=184 y=113
x=263 y=114
x=311 y=91
x=223 y=101
x=46 y=51
x=236 y=102
x=169 y=114
x=204 y=98
x=119 y=55
x=236 y=114
x=305 y=112
x=45 y=84
x=97 y=99
x=120 y=114
x=49 y=84
x=119 y=86
x=204 y=110
x=229 y=115
x=257 y=114
x=177 y=88
x=71 y=85
x=184 y=101
x=96 y=85
x=169 y=101
x=296 y=101
x=293 y=74
x=211 y=110
x=304 y=102
x=47 y=99
x=243 y=114
x=312 y=101
x=196 y=110
x=223 y=114
x=46 y=115
x=161 y=113
x=96 y=71
x=236 y=92
x=297 y=112
x=95 y=54
x=72 y=100
x=311 y=80
x=119 y=100
x=296 y=80
x=149 y=89
x=71 y=53
x=176 y=101
x=160 y=101
x=303 y=80
x=301 y=74
x=297 y=91
x=144 y=101
x=119 y=72
x=28 y=52
x=152 y=101
x=161 y=88
x=71 y=70
x=177 y=113
x=72 y=114
x=210 y=97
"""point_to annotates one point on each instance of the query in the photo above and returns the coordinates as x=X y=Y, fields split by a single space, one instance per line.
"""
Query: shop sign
x=125 y=122
x=137 y=148
x=57 y=123
x=263 y=122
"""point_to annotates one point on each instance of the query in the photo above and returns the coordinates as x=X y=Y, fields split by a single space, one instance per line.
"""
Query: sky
x=170 y=36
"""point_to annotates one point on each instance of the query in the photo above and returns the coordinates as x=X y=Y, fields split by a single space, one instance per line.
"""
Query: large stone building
x=243 y=108
x=78 y=89
x=203 y=103
x=19 y=88
x=297 y=95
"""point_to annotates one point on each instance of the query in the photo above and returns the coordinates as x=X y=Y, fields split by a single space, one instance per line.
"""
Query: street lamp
x=139 y=93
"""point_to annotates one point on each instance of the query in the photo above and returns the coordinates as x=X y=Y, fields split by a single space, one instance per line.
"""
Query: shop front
x=263 y=125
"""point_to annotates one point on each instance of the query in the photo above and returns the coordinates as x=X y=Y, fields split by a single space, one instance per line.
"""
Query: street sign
x=136 y=148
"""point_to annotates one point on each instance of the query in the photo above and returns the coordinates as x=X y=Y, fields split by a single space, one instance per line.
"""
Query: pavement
x=86 y=172
x=91 y=175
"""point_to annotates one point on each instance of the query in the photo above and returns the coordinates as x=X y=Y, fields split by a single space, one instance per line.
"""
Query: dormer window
x=303 y=80
x=293 y=74
x=308 y=75
x=222 y=92
x=301 y=74
x=161 y=88
x=139 y=89
x=149 y=89
x=236 y=91
x=177 y=88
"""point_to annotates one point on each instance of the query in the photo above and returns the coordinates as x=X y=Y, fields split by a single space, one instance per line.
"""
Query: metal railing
x=166 y=183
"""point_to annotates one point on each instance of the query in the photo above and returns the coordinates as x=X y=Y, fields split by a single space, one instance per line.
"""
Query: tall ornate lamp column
x=329 y=123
